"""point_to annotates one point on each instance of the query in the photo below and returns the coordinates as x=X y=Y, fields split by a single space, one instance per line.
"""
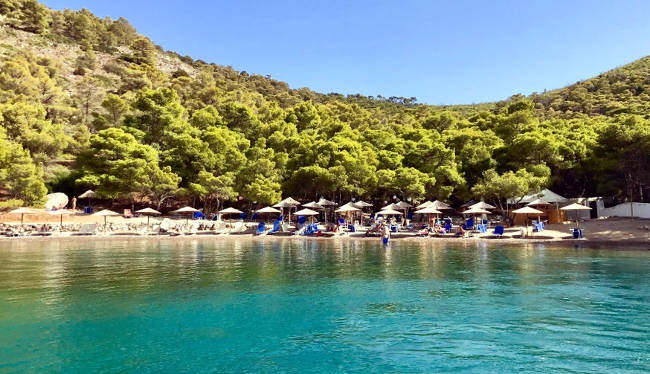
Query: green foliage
x=157 y=125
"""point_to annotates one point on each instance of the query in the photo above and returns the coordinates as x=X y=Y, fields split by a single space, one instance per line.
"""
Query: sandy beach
x=614 y=230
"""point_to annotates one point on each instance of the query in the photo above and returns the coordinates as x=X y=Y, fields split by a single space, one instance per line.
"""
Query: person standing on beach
x=73 y=202
x=386 y=234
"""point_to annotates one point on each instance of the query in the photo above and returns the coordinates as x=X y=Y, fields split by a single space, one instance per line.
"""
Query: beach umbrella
x=287 y=203
x=87 y=195
x=313 y=205
x=390 y=212
x=429 y=211
x=528 y=210
x=267 y=210
x=390 y=206
x=482 y=205
x=61 y=213
x=361 y=204
x=326 y=204
x=186 y=210
x=57 y=200
x=229 y=211
x=22 y=211
x=477 y=211
x=538 y=202
x=346 y=208
x=306 y=212
x=575 y=207
x=439 y=205
x=424 y=205
x=148 y=212
x=105 y=213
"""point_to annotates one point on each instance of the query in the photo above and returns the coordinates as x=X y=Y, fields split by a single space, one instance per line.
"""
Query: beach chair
x=498 y=230
x=276 y=227
x=86 y=229
x=352 y=228
x=447 y=226
x=261 y=228
x=577 y=233
x=341 y=222
x=469 y=224
x=198 y=215
x=301 y=221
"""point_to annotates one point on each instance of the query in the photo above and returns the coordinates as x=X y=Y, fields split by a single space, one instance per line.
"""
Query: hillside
x=89 y=103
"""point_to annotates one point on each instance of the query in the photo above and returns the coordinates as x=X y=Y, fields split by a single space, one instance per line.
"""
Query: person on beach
x=386 y=234
x=73 y=203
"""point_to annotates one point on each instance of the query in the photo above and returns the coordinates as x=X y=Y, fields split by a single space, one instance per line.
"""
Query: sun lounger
x=86 y=229
x=261 y=229
x=498 y=230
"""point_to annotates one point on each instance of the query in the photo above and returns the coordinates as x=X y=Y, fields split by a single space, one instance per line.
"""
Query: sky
x=442 y=52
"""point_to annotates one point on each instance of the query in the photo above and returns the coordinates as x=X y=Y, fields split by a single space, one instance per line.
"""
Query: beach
x=612 y=230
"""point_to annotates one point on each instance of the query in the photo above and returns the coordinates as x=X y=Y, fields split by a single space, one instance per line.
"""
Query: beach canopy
x=148 y=212
x=349 y=207
x=313 y=205
x=389 y=212
x=575 y=206
x=325 y=202
x=306 y=212
x=428 y=210
x=404 y=205
x=538 y=202
x=230 y=211
x=439 y=205
x=87 y=195
x=24 y=210
x=527 y=210
x=545 y=194
x=106 y=213
x=185 y=210
x=477 y=211
x=268 y=210
x=390 y=206
x=482 y=205
x=361 y=204
x=288 y=202
x=424 y=204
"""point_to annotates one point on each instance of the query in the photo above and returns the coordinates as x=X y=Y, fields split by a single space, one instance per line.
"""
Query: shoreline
x=586 y=242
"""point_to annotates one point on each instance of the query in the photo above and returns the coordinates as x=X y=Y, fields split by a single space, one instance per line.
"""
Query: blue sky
x=453 y=52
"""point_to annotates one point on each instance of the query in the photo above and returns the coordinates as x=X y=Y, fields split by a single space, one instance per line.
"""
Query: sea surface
x=321 y=306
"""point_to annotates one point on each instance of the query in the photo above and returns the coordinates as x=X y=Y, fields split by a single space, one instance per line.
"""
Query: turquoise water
x=321 y=306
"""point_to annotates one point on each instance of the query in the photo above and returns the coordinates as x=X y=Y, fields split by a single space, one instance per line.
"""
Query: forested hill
x=89 y=103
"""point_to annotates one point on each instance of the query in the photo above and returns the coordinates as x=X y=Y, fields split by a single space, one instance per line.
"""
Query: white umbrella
x=390 y=212
x=57 y=200
x=324 y=202
x=482 y=205
x=404 y=205
x=429 y=211
x=287 y=203
x=313 y=205
x=22 y=211
x=268 y=209
x=390 y=206
x=61 y=212
x=105 y=213
x=185 y=210
x=230 y=211
x=575 y=207
x=424 y=204
x=439 y=205
x=361 y=204
x=306 y=212
x=148 y=212
x=528 y=210
x=538 y=202
x=349 y=207
x=476 y=211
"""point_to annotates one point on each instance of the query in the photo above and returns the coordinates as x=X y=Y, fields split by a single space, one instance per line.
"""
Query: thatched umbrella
x=22 y=211
x=186 y=210
x=287 y=203
x=477 y=211
x=528 y=210
x=575 y=207
x=105 y=213
x=61 y=213
x=482 y=205
x=326 y=204
x=87 y=195
x=429 y=211
x=148 y=212
x=424 y=205
x=268 y=210
x=230 y=211
x=306 y=212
